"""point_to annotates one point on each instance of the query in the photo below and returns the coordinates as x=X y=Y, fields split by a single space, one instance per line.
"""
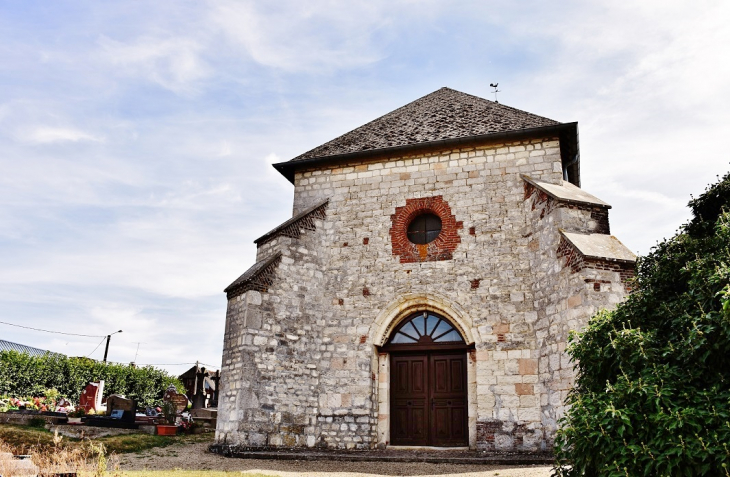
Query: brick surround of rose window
x=440 y=249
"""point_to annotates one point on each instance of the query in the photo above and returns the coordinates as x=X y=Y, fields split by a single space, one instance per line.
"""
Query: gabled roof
x=10 y=346
x=443 y=114
x=445 y=117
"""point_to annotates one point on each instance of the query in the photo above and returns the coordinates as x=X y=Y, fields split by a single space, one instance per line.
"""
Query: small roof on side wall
x=566 y=192
x=445 y=117
x=600 y=247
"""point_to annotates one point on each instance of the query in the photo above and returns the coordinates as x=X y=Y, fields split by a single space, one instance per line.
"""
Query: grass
x=96 y=457
x=23 y=438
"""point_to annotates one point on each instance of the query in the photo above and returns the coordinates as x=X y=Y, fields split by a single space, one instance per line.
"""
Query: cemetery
x=98 y=416
x=98 y=413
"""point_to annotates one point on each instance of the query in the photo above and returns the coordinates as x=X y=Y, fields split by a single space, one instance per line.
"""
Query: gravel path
x=196 y=457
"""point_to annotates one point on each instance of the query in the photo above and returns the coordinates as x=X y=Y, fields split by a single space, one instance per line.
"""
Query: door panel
x=418 y=377
x=409 y=400
x=428 y=399
x=458 y=380
x=449 y=399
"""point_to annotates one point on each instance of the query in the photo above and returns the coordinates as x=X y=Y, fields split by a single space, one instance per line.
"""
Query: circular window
x=424 y=228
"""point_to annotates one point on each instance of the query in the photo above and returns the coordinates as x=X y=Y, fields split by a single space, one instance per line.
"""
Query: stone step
x=207 y=412
x=207 y=416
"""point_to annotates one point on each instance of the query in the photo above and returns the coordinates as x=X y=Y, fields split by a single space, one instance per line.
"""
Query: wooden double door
x=429 y=403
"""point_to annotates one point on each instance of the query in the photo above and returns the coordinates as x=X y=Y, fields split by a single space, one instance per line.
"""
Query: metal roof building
x=10 y=346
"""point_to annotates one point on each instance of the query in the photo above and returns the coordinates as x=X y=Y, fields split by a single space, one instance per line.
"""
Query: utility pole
x=108 y=337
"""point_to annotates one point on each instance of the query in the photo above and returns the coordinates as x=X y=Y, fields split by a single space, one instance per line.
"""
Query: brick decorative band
x=440 y=249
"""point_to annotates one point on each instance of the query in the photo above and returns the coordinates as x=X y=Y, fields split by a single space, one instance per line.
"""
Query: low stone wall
x=23 y=419
x=89 y=432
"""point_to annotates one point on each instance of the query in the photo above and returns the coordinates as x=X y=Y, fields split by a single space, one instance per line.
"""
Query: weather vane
x=494 y=85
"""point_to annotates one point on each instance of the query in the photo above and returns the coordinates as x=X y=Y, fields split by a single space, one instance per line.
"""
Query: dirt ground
x=196 y=457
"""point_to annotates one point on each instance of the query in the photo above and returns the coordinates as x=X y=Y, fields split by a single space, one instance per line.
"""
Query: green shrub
x=25 y=375
x=652 y=392
x=38 y=422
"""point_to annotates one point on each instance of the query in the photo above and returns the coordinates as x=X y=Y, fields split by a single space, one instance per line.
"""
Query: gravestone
x=200 y=396
x=91 y=396
x=216 y=378
x=180 y=400
x=117 y=402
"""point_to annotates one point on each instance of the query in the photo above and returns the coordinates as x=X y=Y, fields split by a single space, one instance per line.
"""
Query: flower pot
x=166 y=430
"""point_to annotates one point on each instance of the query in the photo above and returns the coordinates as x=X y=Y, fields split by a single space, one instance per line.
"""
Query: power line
x=49 y=331
x=97 y=347
x=174 y=364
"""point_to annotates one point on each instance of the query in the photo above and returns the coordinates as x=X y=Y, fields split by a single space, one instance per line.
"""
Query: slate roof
x=250 y=276
x=10 y=346
x=293 y=221
x=566 y=192
x=600 y=246
x=441 y=115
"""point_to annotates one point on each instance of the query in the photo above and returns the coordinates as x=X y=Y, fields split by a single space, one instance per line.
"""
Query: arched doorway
x=428 y=382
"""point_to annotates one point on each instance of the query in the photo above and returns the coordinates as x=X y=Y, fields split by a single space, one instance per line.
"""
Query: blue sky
x=136 y=137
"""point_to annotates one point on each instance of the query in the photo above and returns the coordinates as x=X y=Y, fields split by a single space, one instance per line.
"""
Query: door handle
x=433 y=404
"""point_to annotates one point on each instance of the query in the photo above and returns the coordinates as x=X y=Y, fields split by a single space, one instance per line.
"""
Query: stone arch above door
x=409 y=303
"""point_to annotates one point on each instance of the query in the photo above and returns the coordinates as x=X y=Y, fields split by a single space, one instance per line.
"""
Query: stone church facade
x=423 y=291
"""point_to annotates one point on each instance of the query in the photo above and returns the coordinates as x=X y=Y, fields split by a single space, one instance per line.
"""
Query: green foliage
x=37 y=422
x=25 y=375
x=169 y=410
x=652 y=393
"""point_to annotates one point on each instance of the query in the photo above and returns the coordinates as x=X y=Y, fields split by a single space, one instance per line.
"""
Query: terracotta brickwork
x=440 y=249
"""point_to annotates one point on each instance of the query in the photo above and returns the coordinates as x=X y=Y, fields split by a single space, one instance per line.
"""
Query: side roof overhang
x=566 y=192
x=567 y=133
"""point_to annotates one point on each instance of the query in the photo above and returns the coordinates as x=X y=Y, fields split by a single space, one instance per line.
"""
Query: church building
x=423 y=291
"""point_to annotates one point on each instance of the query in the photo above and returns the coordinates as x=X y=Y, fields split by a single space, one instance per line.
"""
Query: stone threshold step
x=437 y=457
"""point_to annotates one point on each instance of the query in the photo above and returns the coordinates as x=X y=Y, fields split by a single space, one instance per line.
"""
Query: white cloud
x=143 y=205
x=175 y=63
x=225 y=149
x=272 y=158
x=45 y=135
x=314 y=36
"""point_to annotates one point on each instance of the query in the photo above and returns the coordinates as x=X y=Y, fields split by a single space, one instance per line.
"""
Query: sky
x=136 y=138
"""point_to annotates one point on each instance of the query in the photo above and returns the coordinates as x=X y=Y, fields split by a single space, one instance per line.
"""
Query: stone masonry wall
x=565 y=296
x=300 y=363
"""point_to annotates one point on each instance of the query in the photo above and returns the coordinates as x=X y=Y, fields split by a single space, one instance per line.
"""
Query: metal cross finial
x=494 y=85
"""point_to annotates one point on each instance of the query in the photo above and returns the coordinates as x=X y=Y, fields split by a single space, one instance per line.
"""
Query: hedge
x=24 y=375
x=652 y=393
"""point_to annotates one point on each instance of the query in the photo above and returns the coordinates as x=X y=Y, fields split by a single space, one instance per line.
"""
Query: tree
x=23 y=375
x=652 y=393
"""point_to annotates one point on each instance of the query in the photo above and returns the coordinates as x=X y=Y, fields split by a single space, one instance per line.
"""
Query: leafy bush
x=37 y=422
x=652 y=393
x=25 y=375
